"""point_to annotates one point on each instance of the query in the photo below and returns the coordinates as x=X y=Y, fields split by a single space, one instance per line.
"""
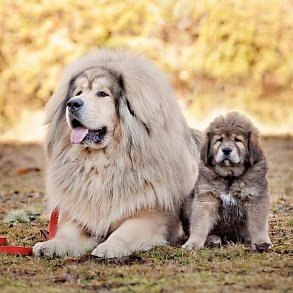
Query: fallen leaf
x=27 y=170
x=69 y=278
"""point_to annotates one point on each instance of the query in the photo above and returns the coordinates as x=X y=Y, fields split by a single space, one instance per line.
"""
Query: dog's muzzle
x=74 y=104
x=79 y=133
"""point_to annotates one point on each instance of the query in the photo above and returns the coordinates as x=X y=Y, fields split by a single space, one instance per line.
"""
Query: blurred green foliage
x=233 y=53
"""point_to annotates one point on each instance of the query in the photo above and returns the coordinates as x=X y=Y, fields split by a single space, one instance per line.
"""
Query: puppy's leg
x=70 y=240
x=213 y=241
x=204 y=216
x=139 y=233
x=257 y=224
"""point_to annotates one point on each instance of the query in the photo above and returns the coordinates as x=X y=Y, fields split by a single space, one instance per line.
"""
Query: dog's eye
x=220 y=139
x=102 y=94
x=78 y=93
x=236 y=139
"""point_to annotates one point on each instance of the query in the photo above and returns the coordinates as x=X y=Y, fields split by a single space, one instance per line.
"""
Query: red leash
x=53 y=223
x=21 y=250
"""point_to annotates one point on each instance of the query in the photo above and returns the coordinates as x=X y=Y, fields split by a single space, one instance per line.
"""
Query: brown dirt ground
x=163 y=269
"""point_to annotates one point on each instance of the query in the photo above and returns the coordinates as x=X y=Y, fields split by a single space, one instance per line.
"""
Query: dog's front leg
x=257 y=224
x=139 y=233
x=204 y=216
x=70 y=240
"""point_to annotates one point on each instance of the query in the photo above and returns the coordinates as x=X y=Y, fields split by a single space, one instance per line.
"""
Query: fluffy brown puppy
x=231 y=198
x=121 y=158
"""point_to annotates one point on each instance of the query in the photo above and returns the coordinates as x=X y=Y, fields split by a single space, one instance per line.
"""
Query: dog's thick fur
x=124 y=193
x=231 y=198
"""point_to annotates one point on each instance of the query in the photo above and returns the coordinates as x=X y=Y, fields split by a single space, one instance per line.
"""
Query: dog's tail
x=195 y=141
x=197 y=137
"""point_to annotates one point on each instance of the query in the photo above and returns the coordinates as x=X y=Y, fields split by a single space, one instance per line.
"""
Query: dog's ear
x=205 y=150
x=123 y=101
x=55 y=114
x=146 y=89
x=254 y=149
x=122 y=96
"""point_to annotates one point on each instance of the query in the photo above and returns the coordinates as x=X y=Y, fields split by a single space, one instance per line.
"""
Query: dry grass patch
x=163 y=269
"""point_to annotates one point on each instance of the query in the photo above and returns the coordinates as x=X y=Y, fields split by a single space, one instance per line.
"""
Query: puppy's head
x=91 y=107
x=231 y=145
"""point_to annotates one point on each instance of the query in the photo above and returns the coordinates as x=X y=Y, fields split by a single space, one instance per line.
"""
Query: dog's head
x=90 y=106
x=111 y=96
x=231 y=145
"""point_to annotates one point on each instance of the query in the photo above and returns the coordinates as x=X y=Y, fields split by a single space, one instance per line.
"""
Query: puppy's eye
x=236 y=139
x=102 y=94
x=78 y=93
x=220 y=139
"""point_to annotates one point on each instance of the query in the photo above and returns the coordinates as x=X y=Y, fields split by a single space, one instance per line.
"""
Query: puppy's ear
x=254 y=149
x=205 y=150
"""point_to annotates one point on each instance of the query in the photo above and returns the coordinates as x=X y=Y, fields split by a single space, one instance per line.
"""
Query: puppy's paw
x=261 y=247
x=111 y=248
x=192 y=244
x=49 y=249
x=213 y=241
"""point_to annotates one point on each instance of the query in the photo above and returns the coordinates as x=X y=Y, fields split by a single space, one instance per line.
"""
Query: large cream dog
x=121 y=157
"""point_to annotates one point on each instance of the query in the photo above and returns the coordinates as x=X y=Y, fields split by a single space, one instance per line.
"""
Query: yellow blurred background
x=219 y=55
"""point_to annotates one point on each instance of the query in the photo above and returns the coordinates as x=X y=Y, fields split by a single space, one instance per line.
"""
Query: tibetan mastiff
x=121 y=158
x=231 y=198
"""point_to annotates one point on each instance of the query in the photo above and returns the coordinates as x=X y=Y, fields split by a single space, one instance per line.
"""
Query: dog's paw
x=192 y=244
x=48 y=249
x=261 y=247
x=110 y=249
x=213 y=241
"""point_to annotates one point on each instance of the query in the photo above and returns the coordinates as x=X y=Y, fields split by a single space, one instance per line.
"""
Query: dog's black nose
x=74 y=104
x=226 y=150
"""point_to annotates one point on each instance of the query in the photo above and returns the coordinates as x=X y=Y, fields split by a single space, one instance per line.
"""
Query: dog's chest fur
x=228 y=199
x=231 y=209
x=99 y=192
x=231 y=224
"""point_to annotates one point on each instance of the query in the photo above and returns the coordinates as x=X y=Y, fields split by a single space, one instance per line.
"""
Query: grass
x=163 y=269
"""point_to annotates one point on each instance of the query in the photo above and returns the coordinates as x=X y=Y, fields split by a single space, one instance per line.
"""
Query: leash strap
x=18 y=250
x=53 y=223
x=27 y=251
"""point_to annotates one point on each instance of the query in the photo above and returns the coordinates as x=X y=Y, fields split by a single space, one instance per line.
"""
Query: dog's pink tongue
x=78 y=134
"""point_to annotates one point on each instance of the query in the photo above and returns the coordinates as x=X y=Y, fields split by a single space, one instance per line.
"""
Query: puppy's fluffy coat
x=121 y=157
x=231 y=198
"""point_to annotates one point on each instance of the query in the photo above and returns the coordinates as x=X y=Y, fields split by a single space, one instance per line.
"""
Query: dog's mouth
x=228 y=162
x=83 y=135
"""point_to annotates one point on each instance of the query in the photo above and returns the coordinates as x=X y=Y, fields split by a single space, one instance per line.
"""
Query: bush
x=235 y=50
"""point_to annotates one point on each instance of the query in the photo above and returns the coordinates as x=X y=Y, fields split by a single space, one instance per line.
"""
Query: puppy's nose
x=226 y=150
x=74 y=104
